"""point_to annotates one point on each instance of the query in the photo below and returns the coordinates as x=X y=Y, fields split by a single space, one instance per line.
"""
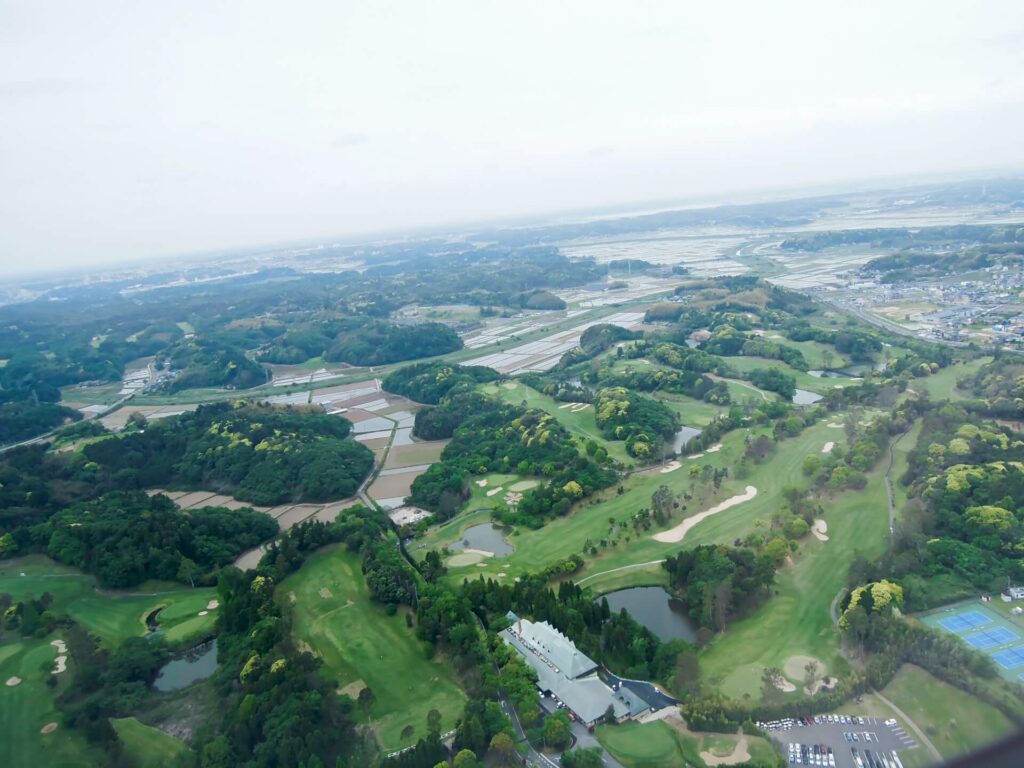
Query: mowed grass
x=114 y=615
x=589 y=521
x=358 y=641
x=660 y=745
x=803 y=380
x=954 y=720
x=26 y=708
x=796 y=619
x=146 y=746
x=942 y=385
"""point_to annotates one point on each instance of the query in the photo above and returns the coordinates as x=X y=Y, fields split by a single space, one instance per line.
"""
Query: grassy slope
x=111 y=616
x=803 y=380
x=942 y=385
x=357 y=640
x=26 y=708
x=148 y=747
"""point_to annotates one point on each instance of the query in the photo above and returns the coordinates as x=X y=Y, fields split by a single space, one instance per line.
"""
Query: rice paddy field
x=361 y=646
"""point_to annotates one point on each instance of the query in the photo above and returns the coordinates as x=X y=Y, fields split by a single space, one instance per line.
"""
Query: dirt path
x=620 y=568
x=913 y=726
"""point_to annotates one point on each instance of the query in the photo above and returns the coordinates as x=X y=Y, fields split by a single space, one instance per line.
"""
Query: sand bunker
x=785 y=686
x=482 y=483
x=740 y=754
x=580 y=407
x=325 y=593
x=203 y=613
x=465 y=558
x=693 y=456
x=714 y=448
x=833 y=425
x=60 y=664
x=563 y=406
x=48 y=728
x=795 y=666
x=13 y=681
x=820 y=529
x=672 y=466
x=60 y=645
x=494 y=491
x=675 y=535
x=827 y=447
x=212 y=605
x=352 y=689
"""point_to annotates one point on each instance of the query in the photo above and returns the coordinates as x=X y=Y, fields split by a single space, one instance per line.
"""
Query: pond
x=806 y=397
x=826 y=374
x=487 y=537
x=657 y=610
x=197 y=664
x=682 y=437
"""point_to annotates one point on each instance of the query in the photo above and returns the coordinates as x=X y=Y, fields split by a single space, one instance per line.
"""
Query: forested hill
x=258 y=453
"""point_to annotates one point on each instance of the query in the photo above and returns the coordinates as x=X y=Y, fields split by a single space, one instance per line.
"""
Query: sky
x=138 y=129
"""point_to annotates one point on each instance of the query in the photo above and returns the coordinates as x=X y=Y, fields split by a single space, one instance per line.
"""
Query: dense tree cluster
x=259 y=453
x=510 y=439
x=379 y=343
x=641 y=421
x=720 y=583
x=203 y=362
x=429 y=382
x=125 y=538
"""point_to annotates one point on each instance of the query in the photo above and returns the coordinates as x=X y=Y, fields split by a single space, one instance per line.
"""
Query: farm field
x=148 y=747
x=361 y=645
x=110 y=615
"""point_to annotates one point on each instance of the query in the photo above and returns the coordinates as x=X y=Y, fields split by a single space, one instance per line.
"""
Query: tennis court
x=990 y=638
x=1011 y=658
x=965 y=621
x=984 y=629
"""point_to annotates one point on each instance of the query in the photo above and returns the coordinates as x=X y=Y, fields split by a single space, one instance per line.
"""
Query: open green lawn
x=581 y=423
x=358 y=641
x=814 y=353
x=110 y=615
x=26 y=708
x=942 y=385
x=148 y=747
x=796 y=621
x=803 y=380
x=590 y=520
x=955 y=721
x=693 y=413
x=660 y=745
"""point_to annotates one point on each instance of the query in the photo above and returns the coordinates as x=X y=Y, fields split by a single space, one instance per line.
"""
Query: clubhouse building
x=569 y=675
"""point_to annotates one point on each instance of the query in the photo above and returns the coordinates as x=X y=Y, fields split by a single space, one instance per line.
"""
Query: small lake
x=657 y=610
x=487 y=536
x=682 y=437
x=826 y=374
x=197 y=664
x=806 y=397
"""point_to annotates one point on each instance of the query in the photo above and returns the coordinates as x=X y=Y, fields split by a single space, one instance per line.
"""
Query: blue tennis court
x=965 y=621
x=1011 y=658
x=990 y=638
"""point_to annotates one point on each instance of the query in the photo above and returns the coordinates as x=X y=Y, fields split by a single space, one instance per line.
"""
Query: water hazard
x=806 y=397
x=682 y=437
x=486 y=537
x=657 y=610
x=197 y=664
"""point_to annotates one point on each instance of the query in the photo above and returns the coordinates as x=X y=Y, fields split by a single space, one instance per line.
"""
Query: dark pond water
x=682 y=437
x=826 y=374
x=197 y=664
x=487 y=536
x=657 y=610
x=805 y=397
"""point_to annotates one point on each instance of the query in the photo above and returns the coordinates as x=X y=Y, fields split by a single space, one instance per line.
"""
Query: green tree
x=501 y=748
x=557 y=732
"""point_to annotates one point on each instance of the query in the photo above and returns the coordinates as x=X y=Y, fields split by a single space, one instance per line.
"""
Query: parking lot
x=855 y=742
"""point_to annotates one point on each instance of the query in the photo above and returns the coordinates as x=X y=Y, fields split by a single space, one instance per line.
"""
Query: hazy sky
x=135 y=128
